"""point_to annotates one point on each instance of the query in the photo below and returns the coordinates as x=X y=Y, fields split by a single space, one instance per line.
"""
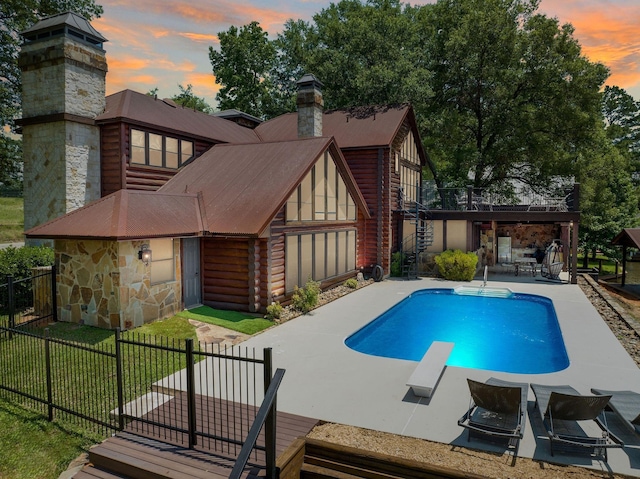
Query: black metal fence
x=29 y=300
x=171 y=390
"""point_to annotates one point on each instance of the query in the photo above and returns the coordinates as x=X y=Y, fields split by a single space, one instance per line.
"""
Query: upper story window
x=407 y=163
x=322 y=195
x=159 y=150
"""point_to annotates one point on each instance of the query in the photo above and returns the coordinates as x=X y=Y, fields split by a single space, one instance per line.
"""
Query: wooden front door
x=191 y=288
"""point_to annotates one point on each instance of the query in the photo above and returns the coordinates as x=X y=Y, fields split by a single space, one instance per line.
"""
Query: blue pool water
x=519 y=334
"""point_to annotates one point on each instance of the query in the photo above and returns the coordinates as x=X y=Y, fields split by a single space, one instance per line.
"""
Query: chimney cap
x=67 y=23
x=309 y=80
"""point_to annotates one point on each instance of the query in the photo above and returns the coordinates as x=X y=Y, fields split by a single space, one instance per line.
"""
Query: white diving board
x=427 y=374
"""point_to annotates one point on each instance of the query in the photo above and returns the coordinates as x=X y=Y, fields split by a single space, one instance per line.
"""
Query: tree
x=608 y=200
x=514 y=97
x=10 y=162
x=188 y=99
x=622 y=117
x=242 y=67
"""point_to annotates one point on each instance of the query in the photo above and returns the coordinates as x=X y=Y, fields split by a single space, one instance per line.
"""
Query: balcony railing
x=479 y=199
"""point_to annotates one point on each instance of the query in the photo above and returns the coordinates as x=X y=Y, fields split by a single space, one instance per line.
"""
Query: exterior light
x=144 y=254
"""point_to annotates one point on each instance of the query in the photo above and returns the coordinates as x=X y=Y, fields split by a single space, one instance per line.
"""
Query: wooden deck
x=146 y=451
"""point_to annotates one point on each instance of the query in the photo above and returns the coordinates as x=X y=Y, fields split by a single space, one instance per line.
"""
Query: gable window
x=408 y=162
x=159 y=150
x=162 y=261
x=322 y=195
x=318 y=256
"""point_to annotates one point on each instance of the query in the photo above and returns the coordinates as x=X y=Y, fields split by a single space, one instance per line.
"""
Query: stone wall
x=103 y=283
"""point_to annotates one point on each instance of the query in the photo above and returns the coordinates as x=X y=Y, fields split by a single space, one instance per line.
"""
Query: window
x=159 y=150
x=409 y=168
x=162 y=261
x=322 y=195
x=319 y=256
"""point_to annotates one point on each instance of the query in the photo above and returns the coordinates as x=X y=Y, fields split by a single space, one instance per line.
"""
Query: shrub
x=397 y=261
x=351 y=283
x=19 y=261
x=305 y=299
x=456 y=265
x=274 y=311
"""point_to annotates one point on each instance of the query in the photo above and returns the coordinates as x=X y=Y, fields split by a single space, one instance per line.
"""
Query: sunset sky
x=157 y=43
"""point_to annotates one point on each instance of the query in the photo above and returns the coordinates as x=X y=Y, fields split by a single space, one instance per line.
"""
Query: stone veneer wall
x=63 y=91
x=103 y=283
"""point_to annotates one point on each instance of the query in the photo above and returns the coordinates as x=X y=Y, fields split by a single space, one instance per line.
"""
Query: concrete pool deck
x=325 y=379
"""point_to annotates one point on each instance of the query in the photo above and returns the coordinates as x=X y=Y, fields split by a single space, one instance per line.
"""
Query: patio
x=327 y=380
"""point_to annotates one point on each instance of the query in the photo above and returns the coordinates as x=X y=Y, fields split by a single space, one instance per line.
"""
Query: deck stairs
x=417 y=242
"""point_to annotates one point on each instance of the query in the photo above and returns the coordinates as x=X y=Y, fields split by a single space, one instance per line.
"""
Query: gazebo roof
x=629 y=237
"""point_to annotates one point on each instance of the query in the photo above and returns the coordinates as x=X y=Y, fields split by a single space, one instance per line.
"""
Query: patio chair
x=626 y=404
x=497 y=409
x=562 y=408
x=551 y=271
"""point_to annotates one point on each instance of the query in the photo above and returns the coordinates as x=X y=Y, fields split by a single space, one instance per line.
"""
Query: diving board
x=427 y=374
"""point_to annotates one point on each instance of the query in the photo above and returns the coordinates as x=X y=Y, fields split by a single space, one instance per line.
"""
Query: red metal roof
x=128 y=214
x=244 y=186
x=147 y=111
x=352 y=128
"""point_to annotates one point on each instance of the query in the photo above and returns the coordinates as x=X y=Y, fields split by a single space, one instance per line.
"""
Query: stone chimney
x=63 y=89
x=310 y=107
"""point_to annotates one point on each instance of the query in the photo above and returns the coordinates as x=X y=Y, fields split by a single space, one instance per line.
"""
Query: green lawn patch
x=11 y=220
x=242 y=322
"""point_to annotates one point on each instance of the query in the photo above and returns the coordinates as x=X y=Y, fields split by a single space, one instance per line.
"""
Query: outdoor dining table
x=525 y=263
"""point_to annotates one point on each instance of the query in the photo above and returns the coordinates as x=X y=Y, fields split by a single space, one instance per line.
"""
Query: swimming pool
x=518 y=334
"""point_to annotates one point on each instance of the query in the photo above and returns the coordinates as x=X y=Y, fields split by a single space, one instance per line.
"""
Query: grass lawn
x=242 y=322
x=608 y=266
x=35 y=448
x=11 y=220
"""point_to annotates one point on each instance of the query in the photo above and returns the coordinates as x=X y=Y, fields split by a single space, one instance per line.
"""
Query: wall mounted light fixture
x=144 y=254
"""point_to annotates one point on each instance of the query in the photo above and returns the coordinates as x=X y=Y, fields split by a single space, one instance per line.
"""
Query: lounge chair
x=497 y=409
x=626 y=404
x=561 y=407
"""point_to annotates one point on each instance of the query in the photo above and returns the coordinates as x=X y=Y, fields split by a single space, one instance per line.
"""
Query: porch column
x=574 y=255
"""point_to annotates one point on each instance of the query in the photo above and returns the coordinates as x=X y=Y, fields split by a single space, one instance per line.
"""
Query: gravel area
x=613 y=310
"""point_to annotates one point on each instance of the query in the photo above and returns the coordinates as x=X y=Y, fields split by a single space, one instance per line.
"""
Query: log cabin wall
x=225 y=278
x=371 y=169
x=117 y=171
x=276 y=267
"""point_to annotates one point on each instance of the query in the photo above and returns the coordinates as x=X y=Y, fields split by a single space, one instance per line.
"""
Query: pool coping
x=327 y=380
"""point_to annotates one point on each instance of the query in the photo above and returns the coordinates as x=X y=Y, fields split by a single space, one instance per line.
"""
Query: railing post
x=54 y=292
x=191 y=395
x=119 y=381
x=47 y=359
x=12 y=301
x=270 y=423
x=469 y=198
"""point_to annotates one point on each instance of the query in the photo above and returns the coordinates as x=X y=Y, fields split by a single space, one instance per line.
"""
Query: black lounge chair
x=561 y=407
x=497 y=409
x=626 y=404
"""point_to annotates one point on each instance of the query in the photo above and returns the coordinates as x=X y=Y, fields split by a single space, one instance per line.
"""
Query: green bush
x=274 y=311
x=351 y=283
x=456 y=265
x=397 y=261
x=19 y=261
x=305 y=299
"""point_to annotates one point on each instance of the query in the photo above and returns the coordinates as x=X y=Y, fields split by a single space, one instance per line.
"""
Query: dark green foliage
x=305 y=299
x=18 y=262
x=455 y=265
x=397 y=261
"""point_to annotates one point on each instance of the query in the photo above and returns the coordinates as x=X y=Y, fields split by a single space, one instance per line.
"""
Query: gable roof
x=244 y=186
x=352 y=128
x=149 y=112
x=128 y=214
x=229 y=190
x=629 y=237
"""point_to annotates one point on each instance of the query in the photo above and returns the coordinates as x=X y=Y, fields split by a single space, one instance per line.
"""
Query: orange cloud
x=203 y=84
x=200 y=37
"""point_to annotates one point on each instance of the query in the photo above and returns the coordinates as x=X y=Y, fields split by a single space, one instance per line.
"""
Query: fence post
x=47 y=356
x=270 y=423
x=11 y=300
x=54 y=294
x=120 y=385
x=191 y=395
